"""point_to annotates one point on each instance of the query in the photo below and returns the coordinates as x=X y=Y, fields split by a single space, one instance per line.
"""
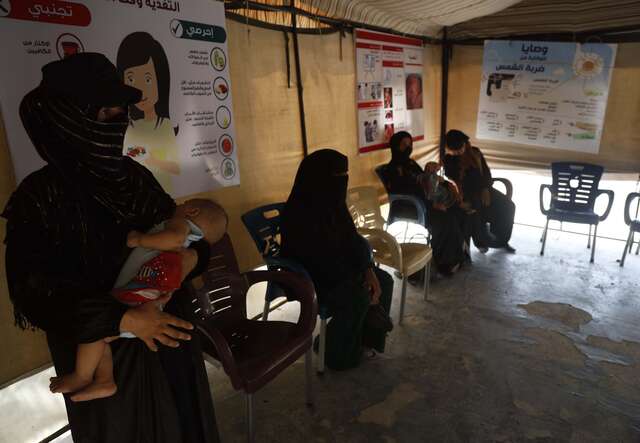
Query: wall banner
x=545 y=93
x=389 y=88
x=174 y=51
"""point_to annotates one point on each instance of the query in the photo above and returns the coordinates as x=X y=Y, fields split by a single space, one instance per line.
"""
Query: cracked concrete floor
x=515 y=348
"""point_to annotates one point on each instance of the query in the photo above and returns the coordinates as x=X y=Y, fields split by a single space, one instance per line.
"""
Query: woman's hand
x=373 y=286
x=150 y=324
x=133 y=239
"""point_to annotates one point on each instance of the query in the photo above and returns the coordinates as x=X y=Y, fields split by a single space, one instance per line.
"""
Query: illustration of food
x=136 y=151
x=222 y=89
x=226 y=146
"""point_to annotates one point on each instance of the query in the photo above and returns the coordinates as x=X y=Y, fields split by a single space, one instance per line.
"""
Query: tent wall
x=620 y=145
x=268 y=139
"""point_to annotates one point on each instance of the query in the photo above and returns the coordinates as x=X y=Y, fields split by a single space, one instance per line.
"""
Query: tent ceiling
x=418 y=17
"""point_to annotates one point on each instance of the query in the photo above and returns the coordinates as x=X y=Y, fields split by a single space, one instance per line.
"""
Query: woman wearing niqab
x=318 y=232
x=446 y=225
x=66 y=241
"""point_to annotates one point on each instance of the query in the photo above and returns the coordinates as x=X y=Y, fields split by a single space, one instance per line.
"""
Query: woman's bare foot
x=66 y=384
x=97 y=389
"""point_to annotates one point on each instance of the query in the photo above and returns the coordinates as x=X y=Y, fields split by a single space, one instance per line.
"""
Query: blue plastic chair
x=633 y=223
x=263 y=224
x=574 y=191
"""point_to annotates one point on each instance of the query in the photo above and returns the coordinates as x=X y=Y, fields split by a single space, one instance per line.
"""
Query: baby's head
x=210 y=217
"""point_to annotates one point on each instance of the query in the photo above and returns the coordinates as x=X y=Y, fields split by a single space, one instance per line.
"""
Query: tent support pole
x=296 y=53
x=446 y=55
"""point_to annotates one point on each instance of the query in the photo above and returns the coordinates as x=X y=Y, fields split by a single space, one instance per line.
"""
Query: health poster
x=389 y=88
x=175 y=52
x=545 y=94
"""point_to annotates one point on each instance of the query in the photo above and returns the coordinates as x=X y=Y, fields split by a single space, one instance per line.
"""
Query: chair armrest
x=610 y=194
x=215 y=337
x=421 y=209
x=379 y=239
x=542 y=208
x=627 y=207
x=287 y=264
x=507 y=185
x=296 y=287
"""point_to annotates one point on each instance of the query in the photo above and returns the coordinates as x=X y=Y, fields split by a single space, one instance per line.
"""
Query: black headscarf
x=86 y=152
x=317 y=228
x=398 y=156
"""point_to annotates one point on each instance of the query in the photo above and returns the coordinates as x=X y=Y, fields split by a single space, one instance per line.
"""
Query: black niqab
x=397 y=156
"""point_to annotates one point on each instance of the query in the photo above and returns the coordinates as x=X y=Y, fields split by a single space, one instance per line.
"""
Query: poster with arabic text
x=174 y=51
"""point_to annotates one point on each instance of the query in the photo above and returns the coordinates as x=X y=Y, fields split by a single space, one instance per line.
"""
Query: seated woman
x=466 y=166
x=445 y=220
x=318 y=232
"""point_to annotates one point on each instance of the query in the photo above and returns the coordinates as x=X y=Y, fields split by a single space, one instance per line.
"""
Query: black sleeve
x=204 y=251
x=44 y=293
x=486 y=171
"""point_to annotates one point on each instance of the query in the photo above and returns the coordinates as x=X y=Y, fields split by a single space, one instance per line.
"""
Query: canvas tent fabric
x=551 y=17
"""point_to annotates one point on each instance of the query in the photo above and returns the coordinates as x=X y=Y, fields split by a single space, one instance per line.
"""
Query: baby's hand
x=133 y=239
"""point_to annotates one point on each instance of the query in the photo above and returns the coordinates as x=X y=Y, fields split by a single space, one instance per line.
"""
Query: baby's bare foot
x=68 y=383
x=95 y=390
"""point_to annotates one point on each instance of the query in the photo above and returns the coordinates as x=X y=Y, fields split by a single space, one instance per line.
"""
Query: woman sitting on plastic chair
x=445 y=221
x=318 y=232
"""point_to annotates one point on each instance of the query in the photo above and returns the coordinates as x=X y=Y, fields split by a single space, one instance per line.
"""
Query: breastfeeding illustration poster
x=175 y=52
x=545 y=93
x=389 y=88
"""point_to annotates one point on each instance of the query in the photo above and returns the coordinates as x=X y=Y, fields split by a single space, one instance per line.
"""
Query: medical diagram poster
x=389 y=89
x=545 y=94
x=174 y=51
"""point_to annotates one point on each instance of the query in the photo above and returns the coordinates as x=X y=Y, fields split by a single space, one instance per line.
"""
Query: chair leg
x=308 y=368
x=593 y=244
x=265 y=312
x=544 y=237
x=427 y=279
x=250 y=424
x=589 y=238
x=403 y=298
x=632 y=241
x=627 y=247
x=323 y=345
x=638 y=248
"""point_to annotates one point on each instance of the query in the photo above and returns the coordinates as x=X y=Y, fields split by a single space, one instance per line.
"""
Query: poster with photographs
x=389 y=90
x=174 y=51
x=547 y=94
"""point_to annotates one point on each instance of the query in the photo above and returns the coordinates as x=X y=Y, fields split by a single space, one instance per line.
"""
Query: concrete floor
x=515 y=348
x=474 y=364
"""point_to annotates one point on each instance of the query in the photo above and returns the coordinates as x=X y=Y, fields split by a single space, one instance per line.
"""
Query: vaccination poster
x=389 y=90
x=174 y=51
x=545 y=94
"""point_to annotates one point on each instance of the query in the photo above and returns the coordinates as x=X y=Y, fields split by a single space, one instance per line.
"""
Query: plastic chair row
x=632 y=222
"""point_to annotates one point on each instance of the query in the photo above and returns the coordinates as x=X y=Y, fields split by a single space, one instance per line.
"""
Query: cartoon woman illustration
x=150 y=137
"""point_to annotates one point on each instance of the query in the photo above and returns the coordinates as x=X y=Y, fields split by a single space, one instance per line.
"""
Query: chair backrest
x=263 y=224
x=364 y=207
x=575 y=185
x=219 y=293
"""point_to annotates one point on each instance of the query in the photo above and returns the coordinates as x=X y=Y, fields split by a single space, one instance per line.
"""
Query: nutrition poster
x=175 y=52
x=545 y=93
x=389 y=88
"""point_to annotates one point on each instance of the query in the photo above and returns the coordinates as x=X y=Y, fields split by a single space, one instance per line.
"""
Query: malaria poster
x=175 y=52
x=389 y=88
x=544 y=93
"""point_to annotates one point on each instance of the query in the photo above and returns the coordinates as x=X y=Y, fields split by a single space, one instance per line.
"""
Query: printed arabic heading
x=167 y=5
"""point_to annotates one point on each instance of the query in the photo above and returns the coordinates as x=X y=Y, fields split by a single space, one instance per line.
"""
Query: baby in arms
x=157 y=266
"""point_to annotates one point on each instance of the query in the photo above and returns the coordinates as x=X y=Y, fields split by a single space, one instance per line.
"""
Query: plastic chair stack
x=406 y=258
x=574 y=191
x=251 y=352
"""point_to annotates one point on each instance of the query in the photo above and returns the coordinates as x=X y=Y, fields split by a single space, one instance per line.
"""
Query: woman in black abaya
x=447 y=225
x=318 y=232
x=66 y=241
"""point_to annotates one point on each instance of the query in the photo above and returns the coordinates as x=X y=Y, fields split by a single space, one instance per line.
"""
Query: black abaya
x=66 y=241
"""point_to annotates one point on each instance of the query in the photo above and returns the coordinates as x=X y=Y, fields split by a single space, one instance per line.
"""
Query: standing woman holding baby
x=67 y=226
